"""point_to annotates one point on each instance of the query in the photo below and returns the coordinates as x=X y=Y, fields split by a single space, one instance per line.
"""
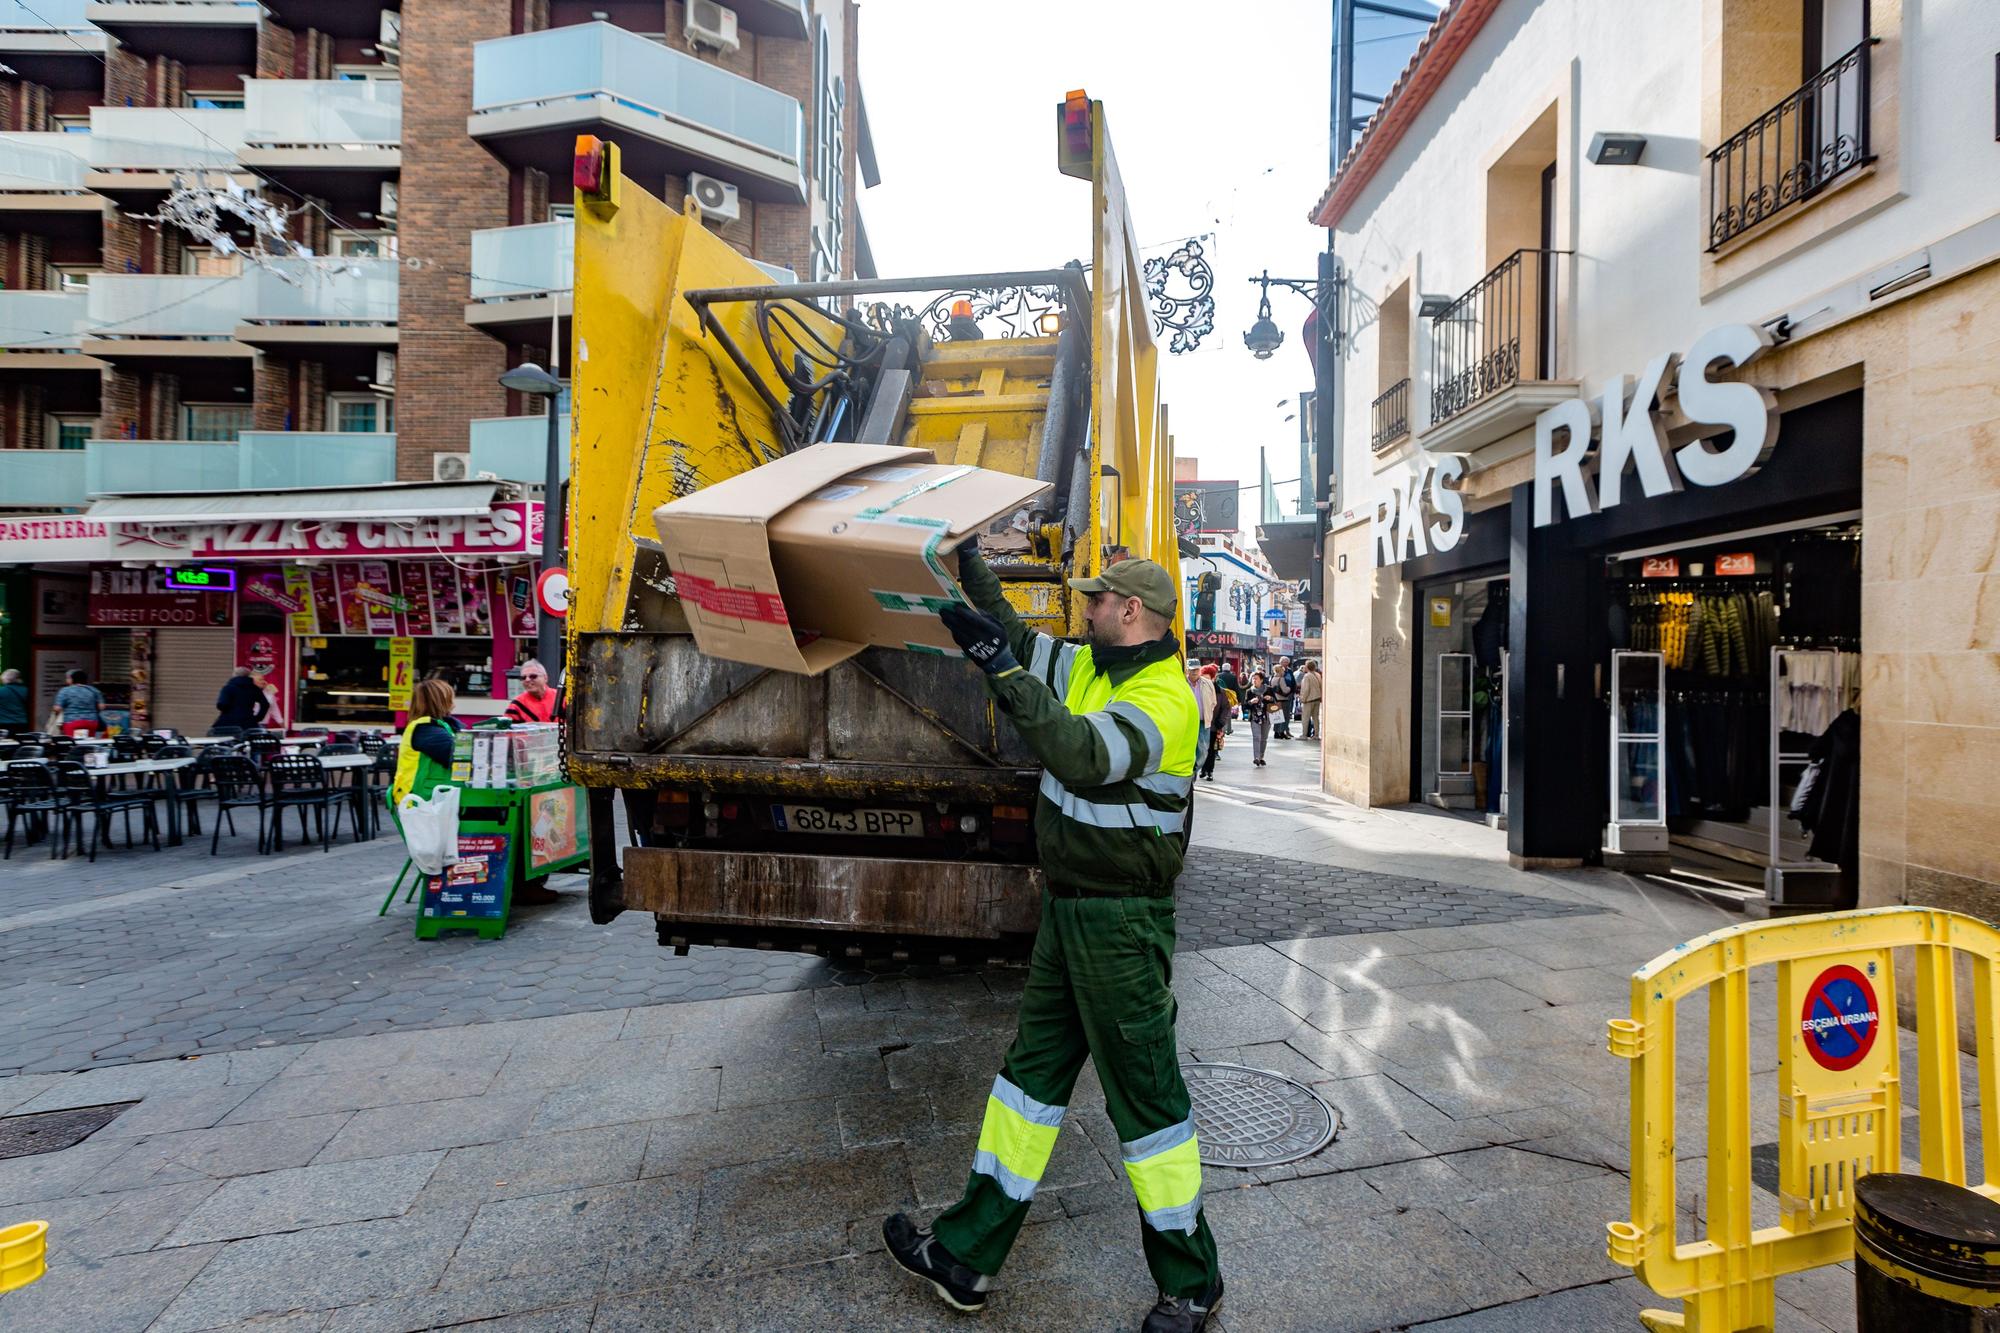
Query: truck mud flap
x=707 y=895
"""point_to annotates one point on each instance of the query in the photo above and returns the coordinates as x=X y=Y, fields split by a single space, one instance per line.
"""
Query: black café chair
x=190 y=785
x=381 y=775
x=298 y=782
x=35 y=750
x=83 y=800
x=127 y=747
x=233 y=733
x=31 y=797
x=262 y=746
x=239 y=785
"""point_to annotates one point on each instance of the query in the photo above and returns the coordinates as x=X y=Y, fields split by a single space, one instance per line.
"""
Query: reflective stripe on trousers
x=1165 y=1168
x=1015 y=1140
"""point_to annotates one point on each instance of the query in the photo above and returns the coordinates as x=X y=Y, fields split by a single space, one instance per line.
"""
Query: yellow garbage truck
x=882 y=808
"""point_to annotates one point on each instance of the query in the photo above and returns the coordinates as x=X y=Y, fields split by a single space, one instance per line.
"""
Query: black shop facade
x=1640 y=667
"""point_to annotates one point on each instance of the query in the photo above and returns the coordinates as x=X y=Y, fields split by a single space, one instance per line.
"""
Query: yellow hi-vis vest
x=408 y=761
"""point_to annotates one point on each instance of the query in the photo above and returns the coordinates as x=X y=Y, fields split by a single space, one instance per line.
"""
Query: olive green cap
x=1150 y=583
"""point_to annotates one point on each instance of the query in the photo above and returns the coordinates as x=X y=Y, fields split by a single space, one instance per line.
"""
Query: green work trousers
x=1097 y=986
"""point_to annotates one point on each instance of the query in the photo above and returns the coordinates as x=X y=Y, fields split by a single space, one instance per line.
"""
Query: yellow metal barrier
x=1840 y=1114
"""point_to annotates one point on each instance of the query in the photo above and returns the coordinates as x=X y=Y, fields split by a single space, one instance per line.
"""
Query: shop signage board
x=1215 y=638
x=402 y=672
x=1400 y=529
x=127 y=598
x=415 y=598
x=510 y=527
x=271 y=667
x=557 y=836
x=1633 y=437
x=1737 y=565
x=1660 y=567
x=202 y=578
x=474 y=892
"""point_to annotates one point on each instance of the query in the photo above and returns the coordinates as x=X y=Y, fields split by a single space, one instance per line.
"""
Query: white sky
x=1218 y=127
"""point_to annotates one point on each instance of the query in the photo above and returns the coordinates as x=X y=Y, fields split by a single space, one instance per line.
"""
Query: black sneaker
x=1183 y=1314
x=921 y=1253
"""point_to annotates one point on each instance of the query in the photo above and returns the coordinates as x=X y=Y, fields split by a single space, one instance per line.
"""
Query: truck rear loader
x=881 y=808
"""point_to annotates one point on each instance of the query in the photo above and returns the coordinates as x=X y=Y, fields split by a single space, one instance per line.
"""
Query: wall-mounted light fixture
x=1430 y=307
x=1610 y=149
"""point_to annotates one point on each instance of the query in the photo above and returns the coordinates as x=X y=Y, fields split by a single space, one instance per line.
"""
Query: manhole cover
x=1252 y=1117
x=52 y=1131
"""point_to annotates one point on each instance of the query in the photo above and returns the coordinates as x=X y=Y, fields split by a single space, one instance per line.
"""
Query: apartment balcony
x=42 y=479
x=521 y=279
x=516 y=448
x=254 y=461
x=50 y=42
x=335 y=20
x=194 y=32
x=42 y=186
x=670 y=113
x=1496 y=356
x=332 y=138
x=307 y=307
x=42 y=333
x=135 y=151
x=166 y=321
x=1390 y=417
x=1792 y=153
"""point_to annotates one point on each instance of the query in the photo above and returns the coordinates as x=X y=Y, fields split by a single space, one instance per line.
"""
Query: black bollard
x=1926 y=1256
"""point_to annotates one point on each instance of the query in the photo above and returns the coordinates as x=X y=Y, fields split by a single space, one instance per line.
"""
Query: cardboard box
x=803 y=562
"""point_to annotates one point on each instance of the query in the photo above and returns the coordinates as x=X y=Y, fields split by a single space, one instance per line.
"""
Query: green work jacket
x=1116 y=736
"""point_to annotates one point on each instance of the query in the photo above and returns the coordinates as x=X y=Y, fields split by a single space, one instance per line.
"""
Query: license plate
x=818 y=819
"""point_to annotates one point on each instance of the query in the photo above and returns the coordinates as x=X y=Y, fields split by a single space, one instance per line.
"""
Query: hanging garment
x=1832 y=810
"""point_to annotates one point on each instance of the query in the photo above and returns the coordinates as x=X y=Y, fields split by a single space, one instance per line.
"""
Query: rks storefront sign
x=1584 y=451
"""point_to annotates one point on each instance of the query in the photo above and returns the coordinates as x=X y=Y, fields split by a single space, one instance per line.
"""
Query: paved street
x=572 y=1129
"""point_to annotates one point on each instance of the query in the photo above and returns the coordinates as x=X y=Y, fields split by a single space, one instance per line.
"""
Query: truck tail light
x=588 y=172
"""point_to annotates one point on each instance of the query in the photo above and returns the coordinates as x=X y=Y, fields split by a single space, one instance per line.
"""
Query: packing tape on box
x=733 y=603
x=940 y=530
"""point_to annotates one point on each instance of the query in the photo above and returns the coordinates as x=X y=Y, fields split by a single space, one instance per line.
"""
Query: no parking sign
x=1836 y=1022
x=1839 y=1020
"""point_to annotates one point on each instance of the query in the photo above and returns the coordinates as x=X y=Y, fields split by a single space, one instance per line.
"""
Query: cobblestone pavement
x=725 y=1163
x=146 y=956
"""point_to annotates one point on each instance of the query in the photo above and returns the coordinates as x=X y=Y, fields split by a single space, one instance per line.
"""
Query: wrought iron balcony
x=1499 y=334
x=1392 y=416
x=1813 y=137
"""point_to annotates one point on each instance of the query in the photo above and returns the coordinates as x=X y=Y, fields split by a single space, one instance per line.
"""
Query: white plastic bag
x=430 y=829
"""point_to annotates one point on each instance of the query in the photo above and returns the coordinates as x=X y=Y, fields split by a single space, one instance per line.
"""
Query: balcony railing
x=1495 y=336
x=516 y=448
x=166 y=305
x=42 y=321
x=534 y=260
x=305 y=291
x=162 y=138
x=1793 y=151
x=596 y=61
x=41 y=478
x=291 y=113
x=256 y=460
x=33 y=161
x=1391 y=414
x=43 y=16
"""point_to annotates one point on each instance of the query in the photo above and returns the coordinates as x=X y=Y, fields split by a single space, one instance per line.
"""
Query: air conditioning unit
x=718 y=199
x=451 y=467
x=385 y=209
x=385 y=370
x=712 y=25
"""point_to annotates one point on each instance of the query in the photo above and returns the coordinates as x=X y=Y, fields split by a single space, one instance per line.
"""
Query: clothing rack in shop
x=1779 y=868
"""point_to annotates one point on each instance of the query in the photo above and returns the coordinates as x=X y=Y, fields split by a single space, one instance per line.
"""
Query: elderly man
x=536 y=702
x=1114 y=723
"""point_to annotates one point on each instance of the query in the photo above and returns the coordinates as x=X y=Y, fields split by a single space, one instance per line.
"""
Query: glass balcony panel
x=42 y=161
x=325 y=291
x=284 y=459
x=43 y=16
x=136 y=467
x=523 y=261
x=166 y=305
x=323 y=111
x=42 y=321
x=591 y=60
x=160 y=138
x=42 y=478
x=515 y=448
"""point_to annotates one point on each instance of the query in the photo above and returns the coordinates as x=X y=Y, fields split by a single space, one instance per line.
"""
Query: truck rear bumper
x=965 y=900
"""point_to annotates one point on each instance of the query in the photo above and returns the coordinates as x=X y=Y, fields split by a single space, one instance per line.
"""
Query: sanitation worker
x=1114 y=723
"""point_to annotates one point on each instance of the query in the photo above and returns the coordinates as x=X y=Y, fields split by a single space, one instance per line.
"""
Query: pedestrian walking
x=242 y=703
x=1258 y=705
x=1284 y=690
x=1310 y=686
x=1114 y=726
x=13 y=701
x=1201 y=681
x=1216 y=721
x=536 y=702
x=79 y=708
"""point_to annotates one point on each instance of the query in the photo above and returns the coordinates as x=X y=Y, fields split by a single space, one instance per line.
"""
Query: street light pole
x=531 y=379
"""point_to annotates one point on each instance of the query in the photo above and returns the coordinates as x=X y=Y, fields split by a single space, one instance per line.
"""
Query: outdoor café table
x=147 y=768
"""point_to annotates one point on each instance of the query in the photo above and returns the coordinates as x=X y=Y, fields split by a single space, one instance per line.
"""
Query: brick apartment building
x=160 y=397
